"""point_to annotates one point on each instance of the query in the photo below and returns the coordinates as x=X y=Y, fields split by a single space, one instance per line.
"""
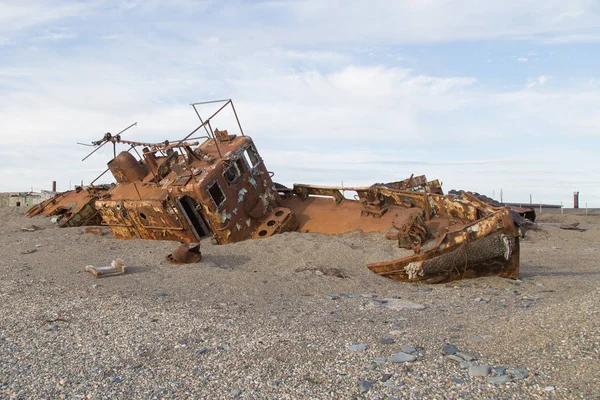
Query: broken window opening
x=251 y=156
x=189 y=208
x=216 y=193
x=240 y=164
x=232 y=173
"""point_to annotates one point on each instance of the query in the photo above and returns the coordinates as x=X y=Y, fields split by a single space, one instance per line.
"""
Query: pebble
x=465 y=364
x=51 y=327
x=385 y=377
x=482 y=300
x=499 y=370
x=331 y=296
x=454 y=357
x=365 y=385
x=466 y=357
x=456 y=381
x=479 y=370
x=373 y=365
x=425 y=289
x=388 y=340
x=380 y=360
x=549 y=388
x=390 y=385
x=357 y=347
x=449 y=349
x=498 y=380
x=235 y=393
x=401 y=357
x=398 y=304
x=368 y=295
x=408 y=349
x=518 y=374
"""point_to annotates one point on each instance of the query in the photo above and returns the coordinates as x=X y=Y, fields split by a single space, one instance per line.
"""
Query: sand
x=252 y=321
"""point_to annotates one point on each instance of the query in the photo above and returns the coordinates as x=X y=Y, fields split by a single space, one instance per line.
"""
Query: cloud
x=522 y=59
x=329 y=91
x=540 y=80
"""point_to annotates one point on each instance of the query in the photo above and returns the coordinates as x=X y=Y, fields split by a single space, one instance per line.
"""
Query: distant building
x=24 y=199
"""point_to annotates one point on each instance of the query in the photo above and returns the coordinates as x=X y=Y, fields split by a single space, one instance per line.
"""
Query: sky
x=485 y=96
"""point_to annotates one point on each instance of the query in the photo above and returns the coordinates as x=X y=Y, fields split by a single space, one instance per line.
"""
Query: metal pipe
x=95 y=150
x=209 y=102
x=215 y=139
x=200 y=118
x=236 y=118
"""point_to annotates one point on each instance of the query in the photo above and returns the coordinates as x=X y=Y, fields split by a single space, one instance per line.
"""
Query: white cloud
x=522 y=59
x=312 y=86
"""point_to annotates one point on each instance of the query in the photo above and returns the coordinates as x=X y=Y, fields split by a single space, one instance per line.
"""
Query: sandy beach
x=260 y=320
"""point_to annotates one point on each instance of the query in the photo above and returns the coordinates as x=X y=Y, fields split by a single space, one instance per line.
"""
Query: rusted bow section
x=218 y=186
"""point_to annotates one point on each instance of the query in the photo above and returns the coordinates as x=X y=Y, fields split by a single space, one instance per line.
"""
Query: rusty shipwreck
x=215 y=184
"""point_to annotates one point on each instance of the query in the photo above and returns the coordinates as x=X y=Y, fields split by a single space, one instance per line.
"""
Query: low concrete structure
x=24 y=199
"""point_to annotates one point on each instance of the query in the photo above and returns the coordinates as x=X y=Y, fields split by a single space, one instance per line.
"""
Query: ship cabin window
x=216 y=193
x=251 y=156
x=232 y=173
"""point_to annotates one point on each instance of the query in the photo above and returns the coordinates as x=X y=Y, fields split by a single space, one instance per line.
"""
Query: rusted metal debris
x=573 y=227
x=72 y=208
x=185 y=254
x=217 y=185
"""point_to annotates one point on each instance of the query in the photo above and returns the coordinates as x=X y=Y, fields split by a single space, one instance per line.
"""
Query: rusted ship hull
x=220 y=188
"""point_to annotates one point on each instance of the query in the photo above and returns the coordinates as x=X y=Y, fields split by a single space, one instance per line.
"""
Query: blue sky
x=482 y=95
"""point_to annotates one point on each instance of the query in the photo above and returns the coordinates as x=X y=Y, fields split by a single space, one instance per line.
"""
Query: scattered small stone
x=499 y=380
x=380 y=360
x=373 y=365
x=388 y=340
x=465 y=364
x=456 y=381
x=549 y=388
x=480 y=338
x=466 y=357
x=482 y=300
x=331 y=296
x=357 y=347
x=449 y=349
x=398 y=304
x=499 y=370
x=203 y=350
x=425 y=289
x=454 y=357
x=385 y=377
x=29 y=251
x=408 y=349
x=368 y=295
x=390 y=385
x=402 y=357
x=365 y=385
x=160 y=294
x=235 y=393
x=518 y=374
x=479 y=370
x=51 y=327
x=378 y=302
x=30 y=228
